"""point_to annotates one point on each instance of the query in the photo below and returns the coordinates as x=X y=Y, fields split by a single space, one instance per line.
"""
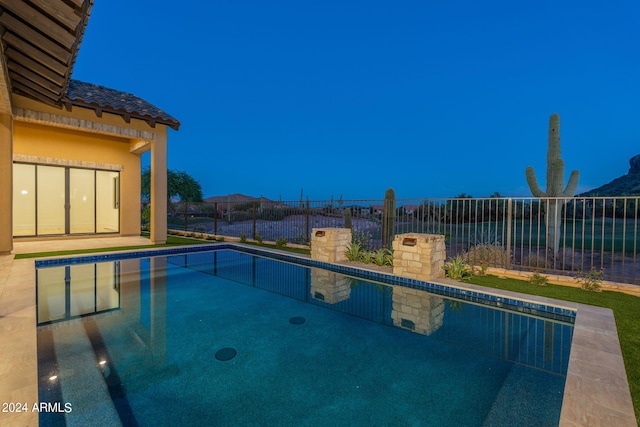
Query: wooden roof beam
x=41 y=97
x=10 y=39
x=40 y=21
x=37 y=39
x=47 y=91
x=33 y=77
x=32 y=65
x=61 y=12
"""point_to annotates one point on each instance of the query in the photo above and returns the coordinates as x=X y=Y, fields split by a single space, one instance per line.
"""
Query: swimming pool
x=137 y=339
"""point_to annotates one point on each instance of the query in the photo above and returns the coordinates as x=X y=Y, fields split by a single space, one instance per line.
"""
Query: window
x=58 y=200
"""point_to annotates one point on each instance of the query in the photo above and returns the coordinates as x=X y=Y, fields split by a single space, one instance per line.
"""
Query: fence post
x=185 y=215
x=254 y=219
x=215 y=218
x=509 y=225
x=307 y=221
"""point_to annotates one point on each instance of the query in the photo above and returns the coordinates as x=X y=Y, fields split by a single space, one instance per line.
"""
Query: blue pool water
x=134 y=342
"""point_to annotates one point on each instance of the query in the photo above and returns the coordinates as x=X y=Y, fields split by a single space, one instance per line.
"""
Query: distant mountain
x=234 y=198
x=626 y=185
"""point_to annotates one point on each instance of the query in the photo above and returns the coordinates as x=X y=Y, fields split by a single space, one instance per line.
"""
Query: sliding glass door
x=58 y=200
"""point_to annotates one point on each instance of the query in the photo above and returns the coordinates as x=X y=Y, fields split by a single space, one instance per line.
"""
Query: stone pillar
x=330 y=244
x=158 y=232
x=329 y=286
x=416 y=310
x=419 y=256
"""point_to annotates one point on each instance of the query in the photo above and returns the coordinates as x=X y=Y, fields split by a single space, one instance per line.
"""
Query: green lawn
x=171 y=241
x=626 y=309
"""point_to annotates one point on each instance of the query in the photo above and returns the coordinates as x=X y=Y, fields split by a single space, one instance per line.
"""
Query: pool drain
x=298 y=320
x=225 y=354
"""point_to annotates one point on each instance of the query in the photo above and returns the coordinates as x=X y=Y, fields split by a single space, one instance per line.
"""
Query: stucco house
x=70 y=151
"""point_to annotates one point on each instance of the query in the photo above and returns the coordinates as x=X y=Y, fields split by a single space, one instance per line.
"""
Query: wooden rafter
x=33 y=52
x=37 y=39
x=37 y=19
x=32 y=65
x=61 y=12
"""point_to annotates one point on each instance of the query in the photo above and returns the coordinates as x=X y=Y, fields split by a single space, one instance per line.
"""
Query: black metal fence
x=549 y=235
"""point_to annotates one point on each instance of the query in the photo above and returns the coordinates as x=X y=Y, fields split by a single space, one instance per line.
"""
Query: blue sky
x=350 y=97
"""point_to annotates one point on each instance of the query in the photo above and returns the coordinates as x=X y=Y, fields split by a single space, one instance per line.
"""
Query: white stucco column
x=6 y=184
x=158 y=232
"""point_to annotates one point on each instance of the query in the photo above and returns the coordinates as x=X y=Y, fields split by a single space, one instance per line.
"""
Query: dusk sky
x=348 y=98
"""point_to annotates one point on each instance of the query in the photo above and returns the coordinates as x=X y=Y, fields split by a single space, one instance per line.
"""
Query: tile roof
x=102 y=99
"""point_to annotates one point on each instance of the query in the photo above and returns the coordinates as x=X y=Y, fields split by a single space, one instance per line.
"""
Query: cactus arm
x=533 y=183
x=572 y=185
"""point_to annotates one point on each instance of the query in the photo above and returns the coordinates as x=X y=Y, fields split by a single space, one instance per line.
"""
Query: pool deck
x=596 y=391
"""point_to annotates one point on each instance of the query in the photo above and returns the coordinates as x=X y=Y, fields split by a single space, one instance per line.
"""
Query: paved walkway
x=18 y=344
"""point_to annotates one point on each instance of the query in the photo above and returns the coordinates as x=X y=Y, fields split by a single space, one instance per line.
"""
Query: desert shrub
x=258 y=237
x=538 y=279
x=366 y=257
x=353 y=252
x=273 y=214
x=537 y=260
x=486 y=237
x=281 y=242
x=487 y=254
x=382 y=257
x=240 y=216
x=362 y=238
x=243 y=238
x=457 y=269
x=590 y=281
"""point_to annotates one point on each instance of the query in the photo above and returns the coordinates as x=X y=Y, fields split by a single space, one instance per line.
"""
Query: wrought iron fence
x=552 y=235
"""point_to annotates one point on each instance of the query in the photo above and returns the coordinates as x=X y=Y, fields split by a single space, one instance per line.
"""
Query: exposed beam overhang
x=40 y=42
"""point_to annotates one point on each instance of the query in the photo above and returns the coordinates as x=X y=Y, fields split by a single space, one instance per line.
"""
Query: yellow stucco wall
x=42 y=140
x=37 y=140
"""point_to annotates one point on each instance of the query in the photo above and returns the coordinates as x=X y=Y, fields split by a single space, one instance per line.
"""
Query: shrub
x=281 y=242
x=382 y=257
x=489 y=254
x=486 y=237
x=538 y=279
x=457 y=269
x=590 y=281
x=362 y=238
x=273 y=214
x=243 y=238
x=353 y=252
x=258 y=237
x=537 y=260
x=365 y=257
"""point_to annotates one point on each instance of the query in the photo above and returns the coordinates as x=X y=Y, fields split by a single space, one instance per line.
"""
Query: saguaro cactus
x=555 y=182
x=347 y=218
x=388 y=218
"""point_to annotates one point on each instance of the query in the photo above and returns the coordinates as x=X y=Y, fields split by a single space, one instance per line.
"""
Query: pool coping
x=596 y=389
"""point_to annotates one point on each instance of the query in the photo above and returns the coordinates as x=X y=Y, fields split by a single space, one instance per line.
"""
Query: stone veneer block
x=419 y=256
x=330 y=244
